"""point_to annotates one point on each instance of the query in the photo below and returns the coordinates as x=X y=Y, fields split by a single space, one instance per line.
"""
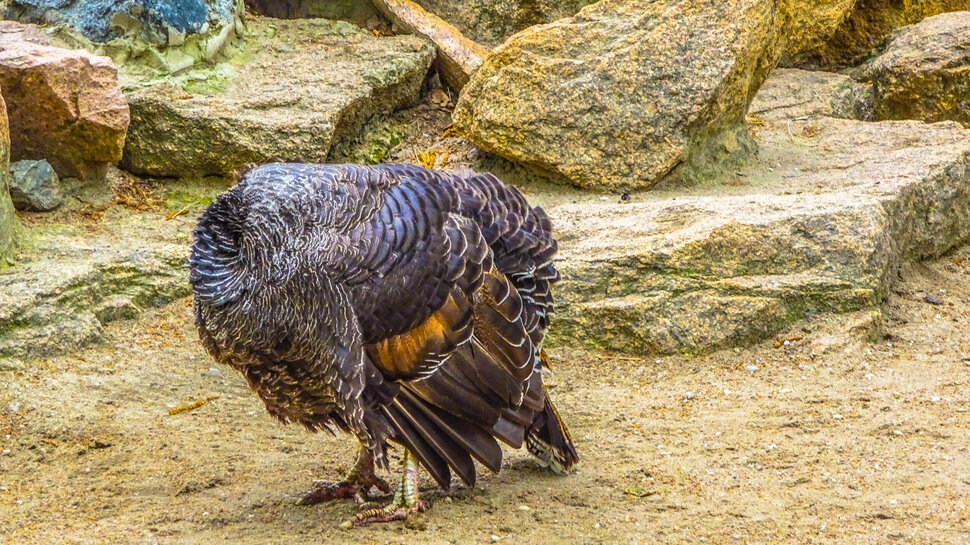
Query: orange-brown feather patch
x=420 y=349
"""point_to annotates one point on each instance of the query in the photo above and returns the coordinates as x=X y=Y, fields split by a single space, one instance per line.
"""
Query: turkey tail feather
x=549 y=440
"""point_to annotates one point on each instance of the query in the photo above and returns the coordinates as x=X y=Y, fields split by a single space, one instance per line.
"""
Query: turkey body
x=391 y=302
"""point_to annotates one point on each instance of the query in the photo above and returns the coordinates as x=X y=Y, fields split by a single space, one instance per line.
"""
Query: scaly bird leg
x=357 y=484
x=404 y=504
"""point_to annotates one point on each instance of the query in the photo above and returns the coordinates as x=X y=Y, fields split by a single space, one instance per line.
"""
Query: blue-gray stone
x=103 y=20
x=34 y=186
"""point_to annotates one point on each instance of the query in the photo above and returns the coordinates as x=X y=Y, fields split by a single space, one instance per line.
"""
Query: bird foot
x=404 y=505
x=358 y=485
x=389 y=513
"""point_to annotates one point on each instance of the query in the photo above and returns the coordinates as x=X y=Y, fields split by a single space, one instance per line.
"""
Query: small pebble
x=597 y=526
x=752 y=368
x=935 y=399
x=727 y=392
x=897 y=432
x=689 y=395
x=495 y=537
x=523 y=508
x=837 y=416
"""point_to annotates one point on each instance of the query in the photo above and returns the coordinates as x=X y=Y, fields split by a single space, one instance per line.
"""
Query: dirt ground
x=830 y=438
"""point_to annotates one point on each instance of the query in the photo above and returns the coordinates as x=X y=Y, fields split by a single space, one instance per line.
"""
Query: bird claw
x=389 y=513
x=324 y=491
x=357 y=484
x=359 y=490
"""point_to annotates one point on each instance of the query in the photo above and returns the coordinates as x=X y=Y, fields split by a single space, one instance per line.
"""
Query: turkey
x=391 y=302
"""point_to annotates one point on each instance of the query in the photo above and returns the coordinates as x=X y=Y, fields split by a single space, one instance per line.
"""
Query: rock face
x=810 y=24
x=34 y=186
x=46 y=310
x=868 y=24
x=491 y=22
x=103 y=20
x=357 y=11
x=924 y=71
x=821 y=225
x=274 y=107
x=9 y=225
x=64 y=106
x=791 y=93
x=625 y=91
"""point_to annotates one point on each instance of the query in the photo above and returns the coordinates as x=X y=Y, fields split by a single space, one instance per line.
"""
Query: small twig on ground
x=177 y=213
x=191 y=406
x=625 y=358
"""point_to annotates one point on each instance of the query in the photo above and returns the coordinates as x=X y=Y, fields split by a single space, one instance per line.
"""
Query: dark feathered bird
x=392 y=302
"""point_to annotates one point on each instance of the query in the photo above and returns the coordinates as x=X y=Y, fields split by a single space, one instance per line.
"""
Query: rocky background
x=722 y=174
x=704 y=195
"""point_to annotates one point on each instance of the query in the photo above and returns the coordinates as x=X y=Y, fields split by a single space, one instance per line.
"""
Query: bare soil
x=855 y=431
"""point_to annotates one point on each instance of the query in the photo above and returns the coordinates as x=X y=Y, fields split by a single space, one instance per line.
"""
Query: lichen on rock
x=265 y=110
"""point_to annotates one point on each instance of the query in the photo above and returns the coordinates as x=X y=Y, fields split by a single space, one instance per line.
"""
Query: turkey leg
x=404 y=504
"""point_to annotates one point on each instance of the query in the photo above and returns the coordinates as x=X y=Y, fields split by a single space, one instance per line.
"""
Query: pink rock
x=64 y=105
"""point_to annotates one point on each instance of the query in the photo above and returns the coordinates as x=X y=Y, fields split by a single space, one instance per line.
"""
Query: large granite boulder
x=64 y=105
x=276 y=107
x=924 y=71
x=866 y=26
x=9 y=225
x=491 y=22
x=102 y=20
x=625 y=91
x=821 y=224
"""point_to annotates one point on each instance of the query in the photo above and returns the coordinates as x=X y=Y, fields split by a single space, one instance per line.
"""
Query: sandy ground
x=828 y=439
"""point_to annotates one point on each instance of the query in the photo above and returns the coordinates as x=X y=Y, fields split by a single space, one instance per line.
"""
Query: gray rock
x=820 y=225
x=924 y=71
x=34 y=186
x=103 y=20
x=626 y=91
x=276 y=106
x=792 y=93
